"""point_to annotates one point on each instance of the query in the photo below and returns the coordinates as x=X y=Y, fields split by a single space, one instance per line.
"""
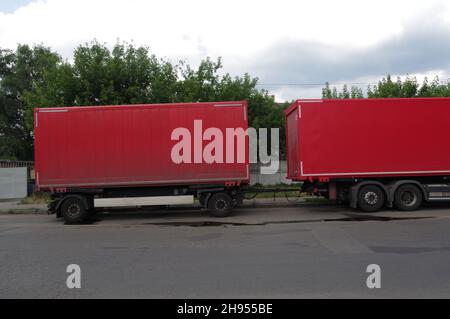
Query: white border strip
x=310 y=101
x=371 y=173
x=144 y=201
x=229 y=104
x=52 y=111
x=165 y=182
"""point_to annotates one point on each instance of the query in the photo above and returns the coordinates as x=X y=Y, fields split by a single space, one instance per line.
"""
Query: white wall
x=269 y=179
x=13 y=182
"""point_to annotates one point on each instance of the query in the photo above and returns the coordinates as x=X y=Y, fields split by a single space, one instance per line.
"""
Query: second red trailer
x=368 y=137
x=371 y=152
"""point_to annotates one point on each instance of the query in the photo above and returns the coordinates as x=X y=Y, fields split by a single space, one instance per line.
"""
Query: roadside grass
x=36 y=198
x=279 y=187
x=290 y=195
x=277 y=194
x=280 y=194
x=316 y=199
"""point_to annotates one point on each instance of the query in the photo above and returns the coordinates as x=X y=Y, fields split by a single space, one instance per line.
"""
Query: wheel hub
x=408 y=198
x=73 y=210
x=221 y=205
x=371 y=198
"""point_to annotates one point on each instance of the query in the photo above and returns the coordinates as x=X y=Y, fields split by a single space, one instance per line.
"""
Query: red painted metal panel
x=292 y=143
x=369 y=138
x=130 y=145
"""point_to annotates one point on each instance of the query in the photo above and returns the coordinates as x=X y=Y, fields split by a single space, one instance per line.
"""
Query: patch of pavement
x=349 y=218
x=124 y=255
x=407 y=250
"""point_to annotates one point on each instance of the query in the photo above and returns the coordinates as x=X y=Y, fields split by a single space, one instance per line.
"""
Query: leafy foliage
x=387 y=88
x=21 y=73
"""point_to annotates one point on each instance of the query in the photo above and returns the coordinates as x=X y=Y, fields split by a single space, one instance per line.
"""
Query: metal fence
x=14 y=164
x=10 y=164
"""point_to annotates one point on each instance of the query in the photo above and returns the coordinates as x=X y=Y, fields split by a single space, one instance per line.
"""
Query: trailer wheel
x=370 y=198
x=73 y=210
x=220 y=205
x=408 y=197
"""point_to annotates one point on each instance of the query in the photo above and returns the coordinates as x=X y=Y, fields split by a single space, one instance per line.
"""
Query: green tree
x=439 y=89
x=334 y=93
x=21 y=71
x=327 y=92
x=344 y=94
x=356 y=92
x=409 y=87
x=386 y=88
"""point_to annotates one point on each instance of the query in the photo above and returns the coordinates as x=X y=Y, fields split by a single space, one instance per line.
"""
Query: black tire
x=408 y=197
x=73 y=210
x=371 y=198
x=220 y=205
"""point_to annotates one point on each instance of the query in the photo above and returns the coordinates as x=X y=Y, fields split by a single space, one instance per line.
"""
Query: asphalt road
x=307 y=250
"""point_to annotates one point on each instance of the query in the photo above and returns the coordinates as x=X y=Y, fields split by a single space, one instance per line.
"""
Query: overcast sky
x=284 y=43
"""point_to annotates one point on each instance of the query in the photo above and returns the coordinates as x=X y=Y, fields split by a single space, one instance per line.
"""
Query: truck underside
x=366 y=194
x=76 y=204
x=372 y=194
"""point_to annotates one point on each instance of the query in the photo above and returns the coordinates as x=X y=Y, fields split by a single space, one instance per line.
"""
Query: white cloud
x=237 y=30
x=177 y=28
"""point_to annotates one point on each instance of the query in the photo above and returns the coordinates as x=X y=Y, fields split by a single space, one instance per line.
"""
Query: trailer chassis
x=76 y=204
x=372 y=194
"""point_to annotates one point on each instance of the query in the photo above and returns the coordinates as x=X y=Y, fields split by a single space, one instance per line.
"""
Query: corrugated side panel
x=130 y=145
x=375 y=137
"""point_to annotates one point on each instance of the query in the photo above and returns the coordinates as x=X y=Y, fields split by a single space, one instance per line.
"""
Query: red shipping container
x=130 y=145
x=355 y=138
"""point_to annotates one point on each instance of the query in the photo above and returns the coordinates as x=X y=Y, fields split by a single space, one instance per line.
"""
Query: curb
x=24 y=211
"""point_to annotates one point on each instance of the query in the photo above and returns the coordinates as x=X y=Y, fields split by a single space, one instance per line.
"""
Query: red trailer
x=371 y=152
x=114 y=156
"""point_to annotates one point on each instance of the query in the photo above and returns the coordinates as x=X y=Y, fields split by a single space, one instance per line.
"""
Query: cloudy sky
x=292 y=46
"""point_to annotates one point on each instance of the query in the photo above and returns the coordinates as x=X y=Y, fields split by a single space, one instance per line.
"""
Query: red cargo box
x=130 y=145
x=368 y=137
